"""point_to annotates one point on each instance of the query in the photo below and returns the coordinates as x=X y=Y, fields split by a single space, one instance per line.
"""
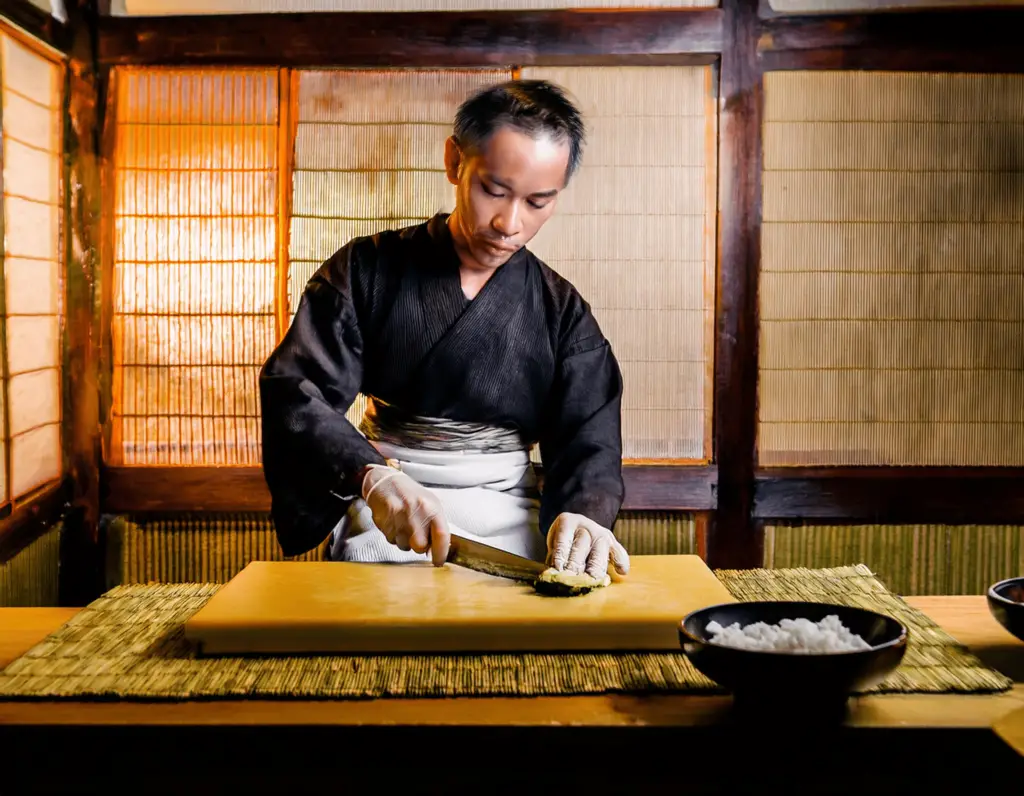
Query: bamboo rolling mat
x=128 y=644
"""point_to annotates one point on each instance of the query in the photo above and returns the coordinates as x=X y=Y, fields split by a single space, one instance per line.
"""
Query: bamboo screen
x=910 y=559
x=892 y=291
x=195 y=165
x=32 y=577
x=213 y=548
x=369 y=155
x=31 y=107
x=634 y=232
x=173 y=7
x=190 y=548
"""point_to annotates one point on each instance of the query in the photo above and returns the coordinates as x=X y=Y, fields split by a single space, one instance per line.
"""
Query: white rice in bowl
x=789 y=635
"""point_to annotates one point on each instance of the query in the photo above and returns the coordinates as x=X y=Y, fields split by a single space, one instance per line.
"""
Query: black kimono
x=386 y=316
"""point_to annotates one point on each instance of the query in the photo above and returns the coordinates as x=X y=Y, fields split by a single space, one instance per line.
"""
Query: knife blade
x=477 y=556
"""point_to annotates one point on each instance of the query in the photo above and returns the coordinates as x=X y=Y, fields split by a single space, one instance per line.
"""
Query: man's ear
x=452 y=160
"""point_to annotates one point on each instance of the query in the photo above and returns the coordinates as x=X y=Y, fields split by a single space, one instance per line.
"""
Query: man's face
x=505 y=193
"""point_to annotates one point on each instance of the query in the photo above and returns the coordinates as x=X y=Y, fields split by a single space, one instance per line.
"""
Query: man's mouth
x=497 y=247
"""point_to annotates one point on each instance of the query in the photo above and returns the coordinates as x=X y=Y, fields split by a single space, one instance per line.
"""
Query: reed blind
x=909 y=559
x=892 y=294
x=634 y=232
x=190 y=548
x=32 y=304
x=32 y=577
x=369 y=156
x=195 y=166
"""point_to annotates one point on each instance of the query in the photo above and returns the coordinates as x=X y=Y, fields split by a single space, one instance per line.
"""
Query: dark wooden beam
x=36 y=23
x=408 y=39
x=35 y=515
x=976 y=28
x=963 y=40
x=141 y=489
x=732 y=539
x=82 y=212
x=892 y=494
x=670 y=488
x=80 y=554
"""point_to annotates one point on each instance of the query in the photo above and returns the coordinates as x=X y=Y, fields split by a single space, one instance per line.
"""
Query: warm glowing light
x=195 y=263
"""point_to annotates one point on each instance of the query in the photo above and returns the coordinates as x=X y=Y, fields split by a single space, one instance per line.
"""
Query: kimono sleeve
x=311 y=452
x=581 y=445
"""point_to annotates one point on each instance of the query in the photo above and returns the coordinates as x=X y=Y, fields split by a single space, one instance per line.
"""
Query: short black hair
x=533 y=106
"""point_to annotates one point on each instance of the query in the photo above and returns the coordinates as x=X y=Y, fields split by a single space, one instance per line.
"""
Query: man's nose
x=507 y=222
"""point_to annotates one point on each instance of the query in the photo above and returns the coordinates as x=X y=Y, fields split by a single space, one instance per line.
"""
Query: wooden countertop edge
x=964 y=617
x=905 y=711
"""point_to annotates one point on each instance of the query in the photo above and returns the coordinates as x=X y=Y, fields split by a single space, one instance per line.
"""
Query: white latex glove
x=577 y=544
x=407 y=513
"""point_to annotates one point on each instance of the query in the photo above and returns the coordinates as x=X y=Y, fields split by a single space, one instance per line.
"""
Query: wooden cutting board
x=311 y=607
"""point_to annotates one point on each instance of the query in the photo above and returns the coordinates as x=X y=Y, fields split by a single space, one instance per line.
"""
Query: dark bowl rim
x=993 y=593
x=899 y=641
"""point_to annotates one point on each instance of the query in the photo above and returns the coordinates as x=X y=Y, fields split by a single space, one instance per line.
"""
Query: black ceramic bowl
x=1006 y=602
x=792 y=678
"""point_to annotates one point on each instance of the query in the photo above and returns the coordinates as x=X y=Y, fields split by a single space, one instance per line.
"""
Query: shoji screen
x=31 y=107
x=369 y=155
x=195 y=262
x=892 y=293
x=635 y=233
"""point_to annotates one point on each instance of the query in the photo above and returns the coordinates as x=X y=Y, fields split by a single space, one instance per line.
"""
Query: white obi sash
x=490 y=497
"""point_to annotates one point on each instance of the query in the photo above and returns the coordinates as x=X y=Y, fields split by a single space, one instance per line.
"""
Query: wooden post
x=733 y=541
x=80 y=554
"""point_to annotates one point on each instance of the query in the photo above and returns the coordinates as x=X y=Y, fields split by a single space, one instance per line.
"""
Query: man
x=470 y=350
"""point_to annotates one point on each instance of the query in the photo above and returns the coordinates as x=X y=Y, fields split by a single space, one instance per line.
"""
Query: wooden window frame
x=26 y=517
x=744 y=40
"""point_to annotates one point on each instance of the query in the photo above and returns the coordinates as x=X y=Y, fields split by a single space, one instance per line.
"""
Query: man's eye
x=489 y=191
x=538 y=206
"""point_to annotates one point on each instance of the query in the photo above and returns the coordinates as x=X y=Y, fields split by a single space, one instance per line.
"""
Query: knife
x=465 y=552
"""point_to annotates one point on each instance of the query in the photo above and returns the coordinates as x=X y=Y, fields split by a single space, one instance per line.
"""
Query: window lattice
x=31 y=133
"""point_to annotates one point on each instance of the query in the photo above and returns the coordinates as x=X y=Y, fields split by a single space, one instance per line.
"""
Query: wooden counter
x=943 y=742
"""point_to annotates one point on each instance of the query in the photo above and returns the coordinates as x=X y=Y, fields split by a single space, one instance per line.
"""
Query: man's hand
x=408 y=514
x=576 y=543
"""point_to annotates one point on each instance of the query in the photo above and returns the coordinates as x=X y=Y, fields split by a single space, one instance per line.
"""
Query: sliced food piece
x=556 y=583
